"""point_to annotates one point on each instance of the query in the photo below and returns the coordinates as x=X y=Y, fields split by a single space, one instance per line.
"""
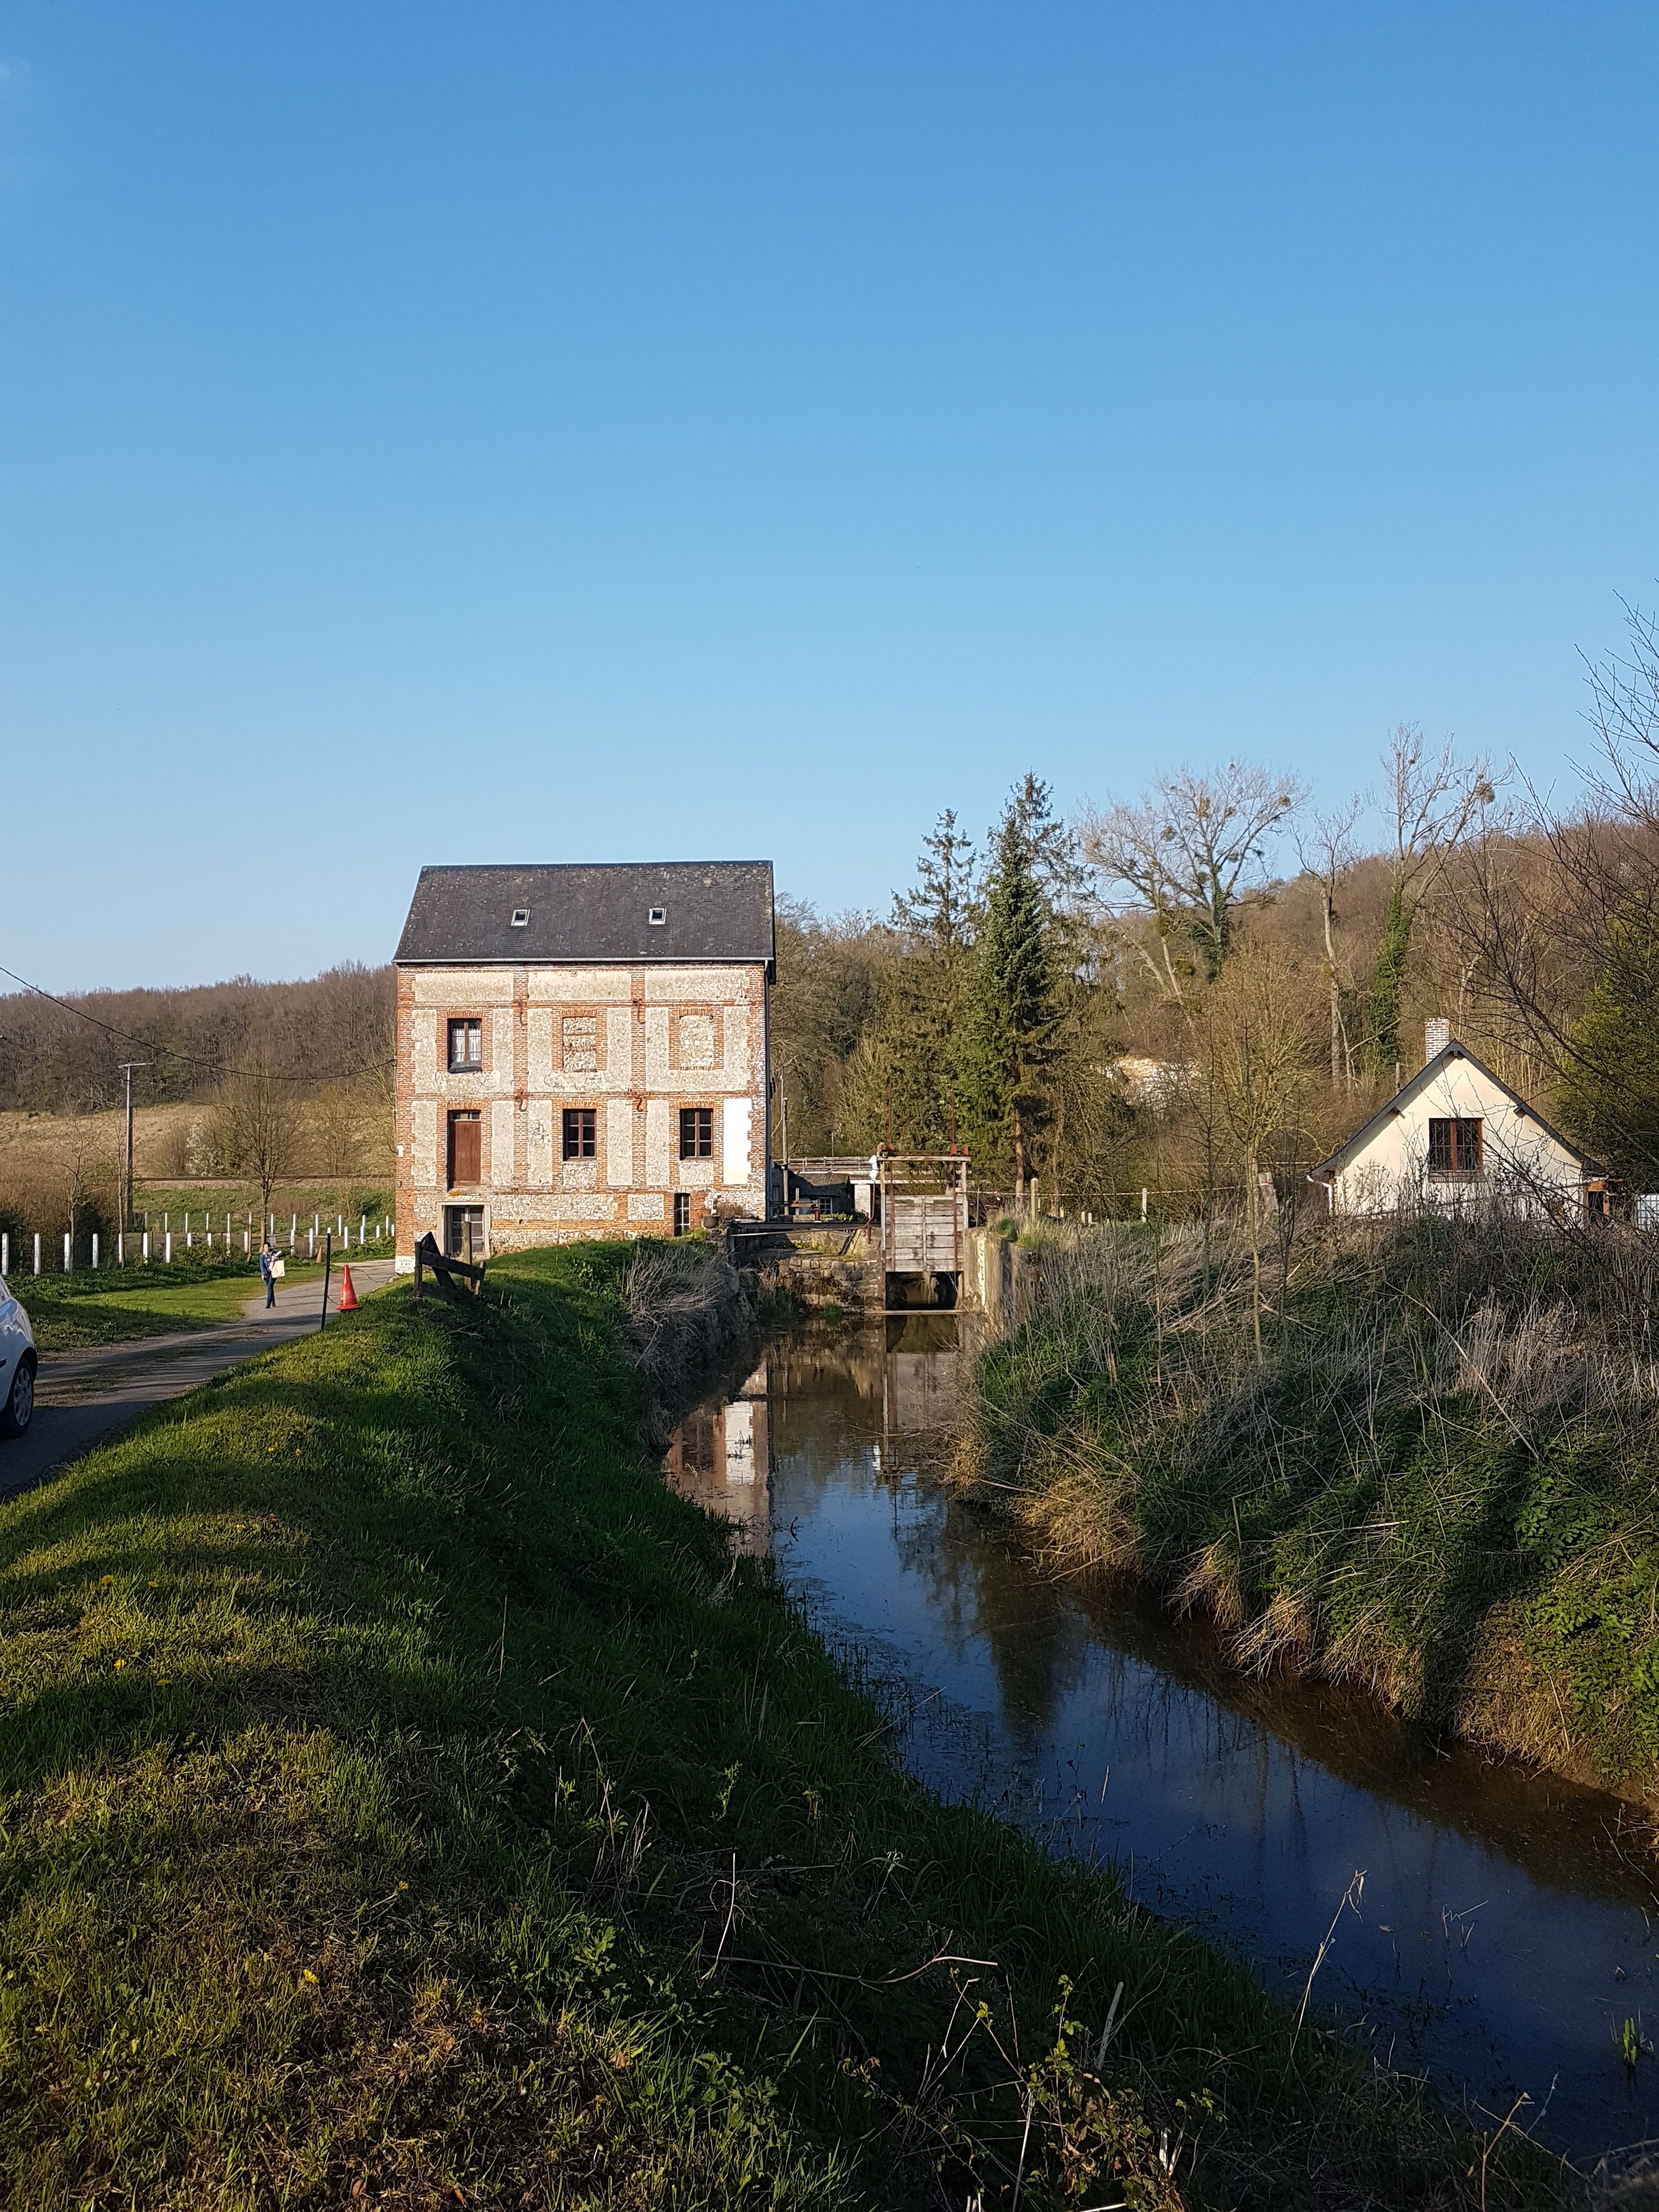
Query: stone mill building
x=581 y=1051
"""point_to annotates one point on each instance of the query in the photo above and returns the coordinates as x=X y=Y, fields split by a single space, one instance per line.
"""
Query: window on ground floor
x=697 y=1132
x=580 y=1133
x=464 y=1233
x=1455 y=1148
x=682 y=1213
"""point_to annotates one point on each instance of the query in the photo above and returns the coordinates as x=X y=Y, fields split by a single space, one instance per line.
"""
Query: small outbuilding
x=1457 y=1135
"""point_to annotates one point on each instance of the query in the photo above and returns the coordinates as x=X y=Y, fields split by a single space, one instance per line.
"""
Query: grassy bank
x=408 y=1800
x=1438 y=1478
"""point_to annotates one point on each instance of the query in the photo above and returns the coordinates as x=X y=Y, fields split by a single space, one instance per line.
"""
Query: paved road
x=85 y=1397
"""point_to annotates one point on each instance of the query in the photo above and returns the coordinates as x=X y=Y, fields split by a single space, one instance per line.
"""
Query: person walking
x=268 y=1269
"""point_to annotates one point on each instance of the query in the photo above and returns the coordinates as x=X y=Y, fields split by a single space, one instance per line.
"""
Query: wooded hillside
x=1211 y=980
x=1182 y=989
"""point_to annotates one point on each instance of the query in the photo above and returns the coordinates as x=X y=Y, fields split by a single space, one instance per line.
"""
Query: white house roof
x=1407 y=1095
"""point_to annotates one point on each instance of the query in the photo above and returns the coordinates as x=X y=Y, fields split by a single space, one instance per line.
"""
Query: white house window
x=1454 y=1150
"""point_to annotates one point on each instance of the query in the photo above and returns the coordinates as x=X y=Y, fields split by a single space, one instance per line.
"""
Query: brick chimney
x=1436 y=1036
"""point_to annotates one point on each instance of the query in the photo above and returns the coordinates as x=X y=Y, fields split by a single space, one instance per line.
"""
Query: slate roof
x=1328 y=1169
x=714 y=911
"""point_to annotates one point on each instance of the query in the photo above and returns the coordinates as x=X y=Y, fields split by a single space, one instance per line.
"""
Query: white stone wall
x=1521 y=1160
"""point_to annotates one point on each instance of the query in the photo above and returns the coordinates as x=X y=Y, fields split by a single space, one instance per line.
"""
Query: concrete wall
x=999 y=1278
x=635 y=1044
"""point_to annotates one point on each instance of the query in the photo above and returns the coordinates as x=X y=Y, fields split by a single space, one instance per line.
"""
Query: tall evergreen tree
x=906 y=1087
x=1015 y=998
x=938 y=911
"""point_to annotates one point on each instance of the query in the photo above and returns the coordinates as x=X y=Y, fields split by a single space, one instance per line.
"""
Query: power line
x=190 y=1059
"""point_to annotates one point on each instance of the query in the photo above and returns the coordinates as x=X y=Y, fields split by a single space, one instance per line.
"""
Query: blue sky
x=540 y=432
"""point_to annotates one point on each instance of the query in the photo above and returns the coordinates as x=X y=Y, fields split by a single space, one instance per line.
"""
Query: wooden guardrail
x=444 y=1270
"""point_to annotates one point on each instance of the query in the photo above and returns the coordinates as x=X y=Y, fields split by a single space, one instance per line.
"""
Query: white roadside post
x=5 y=1255
x=68 y=1264
x=95 y=1250
x=121 y=1248
x=146 y=1249
x=166 y=1239
x=37 y=1251
x=293 y=1232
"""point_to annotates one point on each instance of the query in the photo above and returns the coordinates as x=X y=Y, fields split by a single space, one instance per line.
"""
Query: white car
x=17 y=1365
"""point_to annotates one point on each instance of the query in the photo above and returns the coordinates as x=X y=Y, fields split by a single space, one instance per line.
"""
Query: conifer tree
x=1015 y=998
x=906 y=1087
x=938 y=912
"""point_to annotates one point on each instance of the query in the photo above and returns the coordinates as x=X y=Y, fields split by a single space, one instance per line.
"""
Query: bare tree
x=1624 y=715
x=336 y=1120
x=1431 y=800
x=1559 y=915
x=77 y=1161
x=1260 y=1042
x=1326 y=853
x=1185 y=858
x=260 y=1118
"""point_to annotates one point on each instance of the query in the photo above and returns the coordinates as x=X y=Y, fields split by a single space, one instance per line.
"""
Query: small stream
x=1509 y=1921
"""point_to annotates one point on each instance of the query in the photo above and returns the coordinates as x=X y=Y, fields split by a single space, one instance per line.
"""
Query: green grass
x=408 y=1799
x=113 y=1305
x=1442 y=1480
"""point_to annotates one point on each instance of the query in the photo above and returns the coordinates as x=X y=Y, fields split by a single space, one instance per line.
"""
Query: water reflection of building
x=918 y=1393
x=721 y=1457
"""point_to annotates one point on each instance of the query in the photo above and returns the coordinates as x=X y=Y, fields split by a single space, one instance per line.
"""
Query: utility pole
x=126 y=1066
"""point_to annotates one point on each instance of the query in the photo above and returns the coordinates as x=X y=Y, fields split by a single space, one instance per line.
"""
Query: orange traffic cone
x=348 y=1296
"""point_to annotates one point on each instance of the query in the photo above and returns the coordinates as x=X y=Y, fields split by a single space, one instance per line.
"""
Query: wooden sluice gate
x=915 y=1253
x=921 y=1201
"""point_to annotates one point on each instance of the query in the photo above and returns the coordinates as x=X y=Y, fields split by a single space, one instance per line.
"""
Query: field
x=410 y=1800
x=48 y=1159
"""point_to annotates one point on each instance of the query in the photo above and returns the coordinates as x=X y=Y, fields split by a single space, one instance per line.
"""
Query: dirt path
x=83 y=1397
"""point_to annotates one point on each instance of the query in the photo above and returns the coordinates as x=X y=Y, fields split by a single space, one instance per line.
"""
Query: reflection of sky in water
x=1502 y=1936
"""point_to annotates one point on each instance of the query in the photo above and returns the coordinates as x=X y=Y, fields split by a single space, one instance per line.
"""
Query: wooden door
x=465 y=1148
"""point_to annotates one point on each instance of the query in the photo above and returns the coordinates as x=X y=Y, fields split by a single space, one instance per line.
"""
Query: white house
x=1458 y=1134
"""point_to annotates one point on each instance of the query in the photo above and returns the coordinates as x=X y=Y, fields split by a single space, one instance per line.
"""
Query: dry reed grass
x=1438 y=1478
x=684 y=1304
